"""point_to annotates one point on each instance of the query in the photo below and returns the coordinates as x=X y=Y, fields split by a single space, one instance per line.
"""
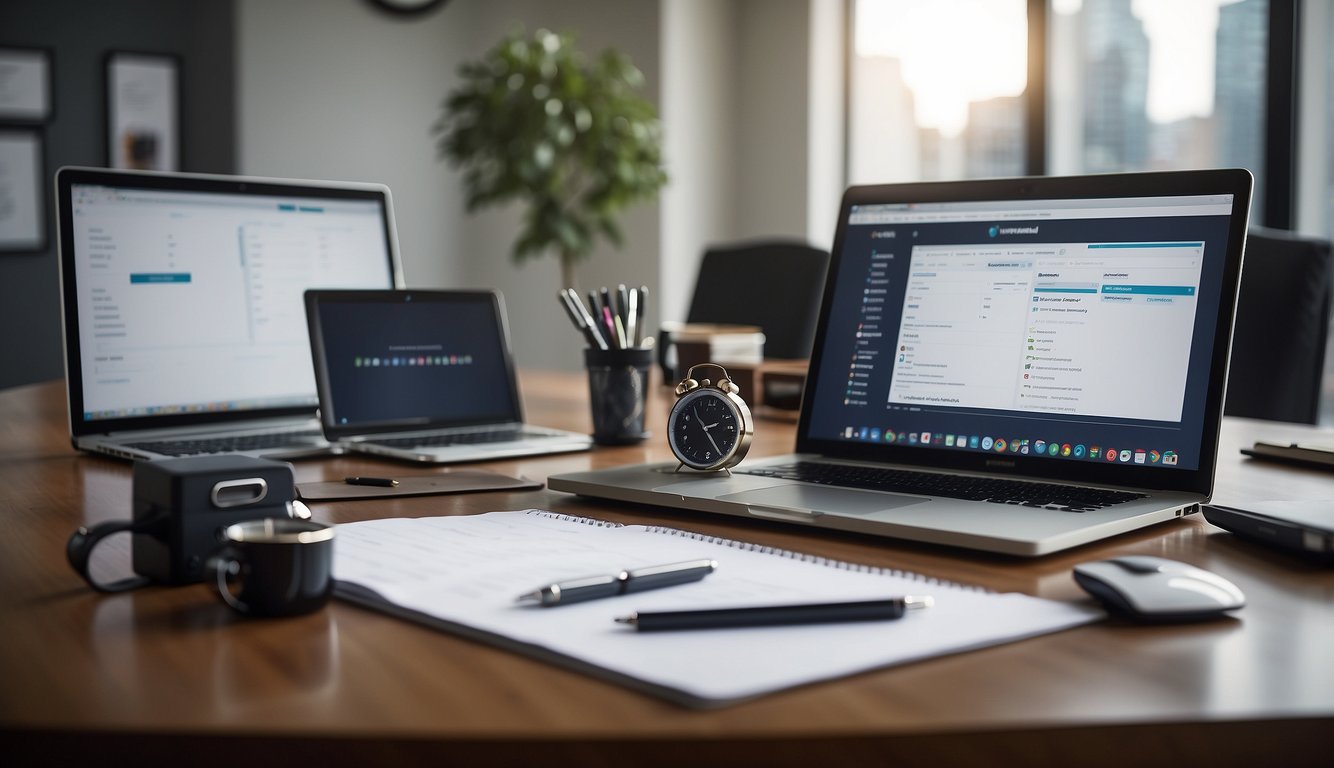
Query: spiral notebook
x=462 y=574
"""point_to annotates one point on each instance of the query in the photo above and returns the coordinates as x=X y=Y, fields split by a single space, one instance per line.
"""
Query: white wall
x=699 y=113
x=335 y=89
x=332 y=89
x=772 y=133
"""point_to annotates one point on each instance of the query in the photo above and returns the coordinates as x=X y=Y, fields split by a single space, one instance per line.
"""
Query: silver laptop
x=1013 y=365
x=422 y=376
x=184 y=329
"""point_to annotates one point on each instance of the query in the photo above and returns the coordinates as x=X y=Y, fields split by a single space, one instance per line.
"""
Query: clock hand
x=715 y=444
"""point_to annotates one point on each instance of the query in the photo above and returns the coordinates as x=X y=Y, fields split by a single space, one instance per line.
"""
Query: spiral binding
x=775 y=551
x=574 y=519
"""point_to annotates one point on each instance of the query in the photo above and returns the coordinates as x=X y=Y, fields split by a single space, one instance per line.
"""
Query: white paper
x=469 y=570
x=24 y=85
x=20 y=190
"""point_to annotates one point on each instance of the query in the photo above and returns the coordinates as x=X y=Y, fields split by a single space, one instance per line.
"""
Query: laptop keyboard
x=1065 y=498
x=462 y=438
x=231 y=444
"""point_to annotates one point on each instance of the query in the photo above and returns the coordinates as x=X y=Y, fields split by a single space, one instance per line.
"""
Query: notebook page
x=468 y=570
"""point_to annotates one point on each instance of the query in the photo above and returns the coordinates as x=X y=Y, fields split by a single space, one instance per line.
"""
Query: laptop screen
x=402 y=360
x=1072 y=333
x=183 y=293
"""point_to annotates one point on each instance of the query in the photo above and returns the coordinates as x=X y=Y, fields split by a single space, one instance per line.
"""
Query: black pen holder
x=618 y=393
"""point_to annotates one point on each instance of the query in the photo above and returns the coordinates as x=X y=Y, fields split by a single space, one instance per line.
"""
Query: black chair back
x=1278 y=341
x=776 y=285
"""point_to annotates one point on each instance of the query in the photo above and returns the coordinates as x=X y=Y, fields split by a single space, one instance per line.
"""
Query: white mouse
x=1155 y=589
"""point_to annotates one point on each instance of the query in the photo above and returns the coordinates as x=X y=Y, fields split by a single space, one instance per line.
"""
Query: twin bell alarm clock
x=710 y=426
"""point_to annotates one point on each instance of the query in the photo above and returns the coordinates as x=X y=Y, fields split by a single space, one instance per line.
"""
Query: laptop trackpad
x=823 y=500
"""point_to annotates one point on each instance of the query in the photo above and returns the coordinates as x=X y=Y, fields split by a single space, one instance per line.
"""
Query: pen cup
x=617 y=391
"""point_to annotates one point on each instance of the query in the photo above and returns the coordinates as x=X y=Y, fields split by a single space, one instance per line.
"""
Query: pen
x=623 y=303
x=613 y=340
x=632 y=317
x=590 y=325
x=570 y=301
x=810 y=613
x=594 y=587
x=380 y=482
x=639 y=316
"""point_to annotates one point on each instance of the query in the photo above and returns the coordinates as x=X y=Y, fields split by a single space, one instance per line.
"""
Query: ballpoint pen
x=599 y=340
x=767 y=615
x=613 y=338
x=638 y=580
x=639 y=316
x=570 y=301
x=379 y=482
x=632 y=317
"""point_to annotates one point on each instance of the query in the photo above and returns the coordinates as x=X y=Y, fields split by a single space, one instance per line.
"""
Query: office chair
x=776 y=285
x=1278 y=341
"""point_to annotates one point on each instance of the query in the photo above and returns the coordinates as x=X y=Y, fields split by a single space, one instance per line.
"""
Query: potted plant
x=536 y=121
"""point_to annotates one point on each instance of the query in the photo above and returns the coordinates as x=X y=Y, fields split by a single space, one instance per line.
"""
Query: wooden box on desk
x=772 y=388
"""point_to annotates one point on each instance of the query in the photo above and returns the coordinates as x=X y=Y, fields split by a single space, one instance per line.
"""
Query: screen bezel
x=1236 y=182
x=69 y=177
x=318 y=301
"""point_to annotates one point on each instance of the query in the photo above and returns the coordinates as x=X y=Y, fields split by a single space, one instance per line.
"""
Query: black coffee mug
x=274 y=567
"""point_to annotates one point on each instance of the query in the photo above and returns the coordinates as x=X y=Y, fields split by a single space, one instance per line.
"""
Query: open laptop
x=422 y=376
x=184 y=329
x=1013 y=365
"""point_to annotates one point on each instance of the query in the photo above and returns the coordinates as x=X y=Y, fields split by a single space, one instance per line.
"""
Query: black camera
x=180 y=509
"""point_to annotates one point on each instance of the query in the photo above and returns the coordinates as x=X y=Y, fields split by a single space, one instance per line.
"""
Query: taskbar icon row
x=1015 y=445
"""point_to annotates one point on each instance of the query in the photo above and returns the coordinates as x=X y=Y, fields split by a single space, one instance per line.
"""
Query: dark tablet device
x=1297 y=526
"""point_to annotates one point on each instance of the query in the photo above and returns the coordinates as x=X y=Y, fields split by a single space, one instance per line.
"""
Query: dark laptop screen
x=1023 y=331
x=183 y=293
x=396 y=360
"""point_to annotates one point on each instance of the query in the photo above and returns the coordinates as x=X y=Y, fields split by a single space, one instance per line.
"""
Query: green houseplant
x=536 y=121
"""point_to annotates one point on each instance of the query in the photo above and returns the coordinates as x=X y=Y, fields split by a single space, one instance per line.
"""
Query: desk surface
x=169 y=672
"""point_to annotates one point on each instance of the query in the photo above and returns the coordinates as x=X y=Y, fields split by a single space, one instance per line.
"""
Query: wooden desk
x=169 y=674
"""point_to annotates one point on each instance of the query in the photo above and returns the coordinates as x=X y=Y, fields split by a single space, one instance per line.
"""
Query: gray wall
x=335 y=89
x=331 y=88
x=80 y=33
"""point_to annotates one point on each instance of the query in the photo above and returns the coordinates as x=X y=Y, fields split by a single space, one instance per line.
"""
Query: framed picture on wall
x=22 y=175
x=143 y=111
x=25 y=85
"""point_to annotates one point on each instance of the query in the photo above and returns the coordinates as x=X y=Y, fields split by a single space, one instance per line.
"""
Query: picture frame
x=27 y=94
x=143 y=111
x=23 y=221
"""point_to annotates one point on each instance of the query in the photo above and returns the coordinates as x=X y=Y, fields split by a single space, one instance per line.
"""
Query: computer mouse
x=1158 y=590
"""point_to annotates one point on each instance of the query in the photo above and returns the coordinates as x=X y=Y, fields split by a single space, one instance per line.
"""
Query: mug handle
x=79 y=550
x=225 y=564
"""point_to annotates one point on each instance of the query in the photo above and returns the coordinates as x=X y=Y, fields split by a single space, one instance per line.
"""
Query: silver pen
x=638 y=580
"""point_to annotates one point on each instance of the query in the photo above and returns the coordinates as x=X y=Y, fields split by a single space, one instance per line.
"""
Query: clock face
x=704 y=429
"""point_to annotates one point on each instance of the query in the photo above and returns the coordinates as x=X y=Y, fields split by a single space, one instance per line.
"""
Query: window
x=938 y=87
x=1140 y=85
x=937 y=106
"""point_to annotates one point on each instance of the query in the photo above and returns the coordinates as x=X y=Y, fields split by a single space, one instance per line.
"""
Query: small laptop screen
x=1075 y=330
x=394 y=360
x=189 y=301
